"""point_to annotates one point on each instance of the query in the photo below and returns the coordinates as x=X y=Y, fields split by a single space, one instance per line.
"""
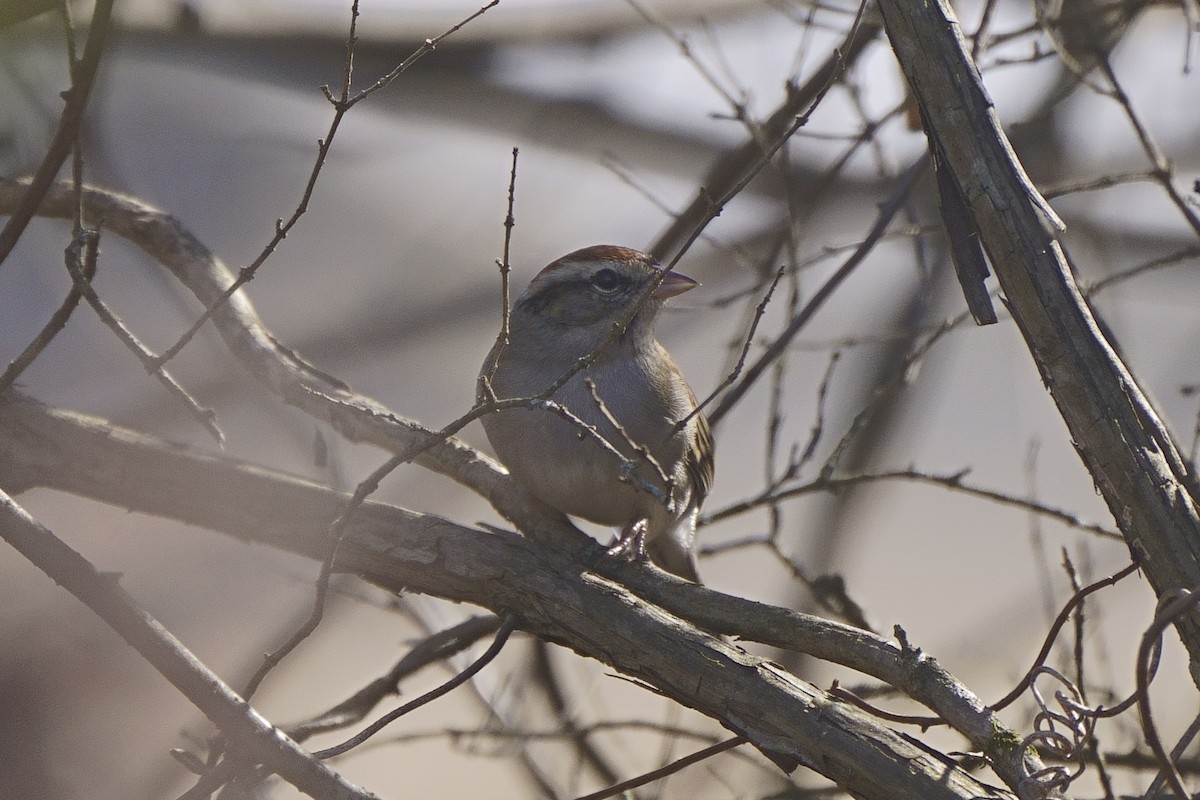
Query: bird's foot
x=631 y=543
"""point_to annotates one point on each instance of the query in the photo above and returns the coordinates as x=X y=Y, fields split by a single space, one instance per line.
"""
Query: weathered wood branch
x=556 y=597
x=1124 y=445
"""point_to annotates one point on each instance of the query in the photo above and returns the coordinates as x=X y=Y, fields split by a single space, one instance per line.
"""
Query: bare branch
x=669 y=769
x=58 y=321
x=81 y=260
x=556 y=599
x=429 y=650
x=953 y=482
x=341 y=106
x=794 y=326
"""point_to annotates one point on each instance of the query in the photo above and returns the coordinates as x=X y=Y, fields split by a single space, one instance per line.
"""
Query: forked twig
x=80 y=260
x=341 y=105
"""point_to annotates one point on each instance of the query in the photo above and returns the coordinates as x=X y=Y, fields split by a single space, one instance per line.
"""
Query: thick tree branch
x=555 y=597
x=1123 y=443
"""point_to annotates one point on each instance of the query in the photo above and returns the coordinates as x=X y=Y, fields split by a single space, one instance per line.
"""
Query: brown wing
x=701 y=457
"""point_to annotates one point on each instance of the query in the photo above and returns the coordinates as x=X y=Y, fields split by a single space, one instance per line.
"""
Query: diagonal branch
x=1124 y=445
x=254 y=735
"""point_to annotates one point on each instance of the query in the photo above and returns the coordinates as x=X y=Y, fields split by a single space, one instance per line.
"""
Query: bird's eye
x=606 y=280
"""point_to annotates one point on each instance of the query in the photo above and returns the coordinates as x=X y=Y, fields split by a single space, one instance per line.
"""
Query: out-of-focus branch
x=741 y=163
x=255 y=737
x=16 y=11
x=64 y=136
x=779 y=345
x=555 y=597
x=1124 y=445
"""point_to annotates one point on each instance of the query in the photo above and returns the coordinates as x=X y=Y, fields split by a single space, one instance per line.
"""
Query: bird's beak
x=674 y=283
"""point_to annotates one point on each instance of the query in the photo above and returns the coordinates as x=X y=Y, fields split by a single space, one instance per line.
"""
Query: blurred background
x=211 y=110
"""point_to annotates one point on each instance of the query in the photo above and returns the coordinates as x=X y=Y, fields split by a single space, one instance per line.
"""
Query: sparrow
x=631 y=393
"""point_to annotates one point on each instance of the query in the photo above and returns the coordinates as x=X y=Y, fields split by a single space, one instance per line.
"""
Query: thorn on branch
x=906 y=648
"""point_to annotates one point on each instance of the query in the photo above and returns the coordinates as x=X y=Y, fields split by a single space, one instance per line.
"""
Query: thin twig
x=1063 y=616
x=1097 y=184
x=505 y=266
x=776 y=348
x=430 y=650
x=341 y=105
x=953 y=482
x=669 y=769
x=737 y=106
x=748 y=340
x=1162 y=167
x=924 y=722
x=1170 y=260
x=58 y=321
x=1151 y=639
x=738 y=167
x=506 y=628
x=1079 y=620
x=818 y=426
x=640 y=450
x=80 y=258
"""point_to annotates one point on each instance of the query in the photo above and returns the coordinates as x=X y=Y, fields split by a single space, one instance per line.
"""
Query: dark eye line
x=539 y=301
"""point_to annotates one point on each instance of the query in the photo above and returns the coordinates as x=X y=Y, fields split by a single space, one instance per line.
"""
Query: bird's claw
x=631 y=543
